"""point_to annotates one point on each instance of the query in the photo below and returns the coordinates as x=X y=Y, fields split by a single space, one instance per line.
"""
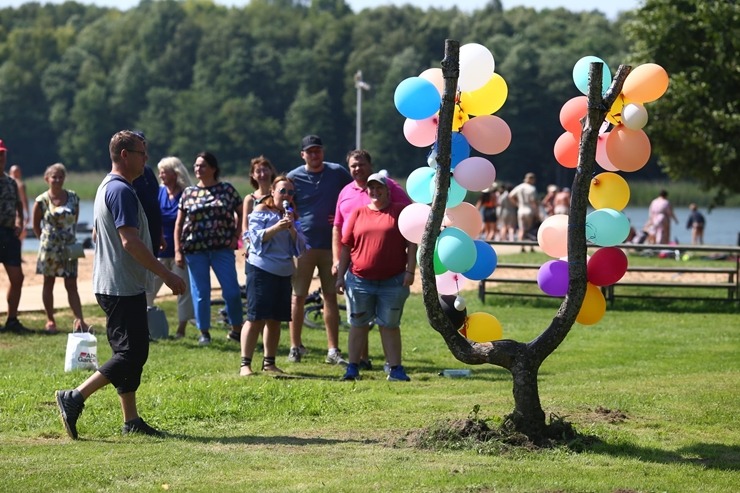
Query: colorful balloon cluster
x=622 y=146
x=481 y=92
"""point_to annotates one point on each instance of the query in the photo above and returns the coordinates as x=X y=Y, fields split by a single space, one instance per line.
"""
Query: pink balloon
x=553 y=235
x=466 y=217
x=566 y=149
x=487 y=134
x=628 y=150
x=475 y=173
x=434 y=75
x=572 y=112
x=412 y=221
x=606 y=266
x=450 y=282
x=421 y=133
x=601 y=158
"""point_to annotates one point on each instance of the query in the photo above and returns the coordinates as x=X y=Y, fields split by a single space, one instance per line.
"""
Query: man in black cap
x=317 y=185
x=11 y=225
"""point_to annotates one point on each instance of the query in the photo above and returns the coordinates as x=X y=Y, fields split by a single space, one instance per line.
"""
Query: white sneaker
x=335 y=358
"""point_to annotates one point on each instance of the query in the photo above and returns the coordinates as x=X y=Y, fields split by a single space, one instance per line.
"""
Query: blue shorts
x=379 y=300
x=268 y=295
x=10 y=248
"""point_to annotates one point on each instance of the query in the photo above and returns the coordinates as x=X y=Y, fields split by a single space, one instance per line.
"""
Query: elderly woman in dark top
x=206 y=234
x=274 y=240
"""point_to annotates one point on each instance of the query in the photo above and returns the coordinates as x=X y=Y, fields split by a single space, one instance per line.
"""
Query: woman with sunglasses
x=209 y=218
x=275 y=238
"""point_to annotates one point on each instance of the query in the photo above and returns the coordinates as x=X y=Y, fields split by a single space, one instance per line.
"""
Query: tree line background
x=241 y=82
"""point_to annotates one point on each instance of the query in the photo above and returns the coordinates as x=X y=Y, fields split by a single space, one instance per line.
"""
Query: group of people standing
x=317 y=217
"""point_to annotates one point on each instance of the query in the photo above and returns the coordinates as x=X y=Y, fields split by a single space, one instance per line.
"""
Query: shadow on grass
x=709 y=455
x=273 y=440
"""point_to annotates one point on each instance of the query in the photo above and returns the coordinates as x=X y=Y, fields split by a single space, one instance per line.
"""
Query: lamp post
x=360 y=85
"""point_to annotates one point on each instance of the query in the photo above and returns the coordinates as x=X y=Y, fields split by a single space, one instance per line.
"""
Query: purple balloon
x=552 y=278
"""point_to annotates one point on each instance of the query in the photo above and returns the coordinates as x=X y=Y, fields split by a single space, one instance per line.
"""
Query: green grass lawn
x=657 y=389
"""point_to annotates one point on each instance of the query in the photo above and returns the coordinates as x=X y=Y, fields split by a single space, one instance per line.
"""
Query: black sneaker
x=70 y=410
x=138 y=425
x=234 y=336
x=17 y=327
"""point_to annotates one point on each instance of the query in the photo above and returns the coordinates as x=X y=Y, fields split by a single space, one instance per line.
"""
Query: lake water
x=722 y=227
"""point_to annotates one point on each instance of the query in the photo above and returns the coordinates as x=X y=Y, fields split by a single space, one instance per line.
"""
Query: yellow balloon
x=486 y=100
x=615 y=112
x=594 y=306
x=482 y=327
x=609 y=191
x=459 y=118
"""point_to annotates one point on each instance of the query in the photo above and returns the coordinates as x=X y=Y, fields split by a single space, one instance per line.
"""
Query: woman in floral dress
x=55 y=214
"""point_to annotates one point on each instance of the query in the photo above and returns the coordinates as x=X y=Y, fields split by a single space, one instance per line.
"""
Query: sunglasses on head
x=289 y=193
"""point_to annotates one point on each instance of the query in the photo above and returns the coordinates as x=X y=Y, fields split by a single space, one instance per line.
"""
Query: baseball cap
x=311 y=141
x=379 y=178
x=2 y=146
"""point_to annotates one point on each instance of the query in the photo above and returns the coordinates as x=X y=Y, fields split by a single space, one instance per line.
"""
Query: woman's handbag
x=82 y=352
x=75 y=250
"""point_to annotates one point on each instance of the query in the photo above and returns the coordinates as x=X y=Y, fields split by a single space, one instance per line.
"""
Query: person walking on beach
x=122 y=258
x=55 y=215
x=696 y=224
x=11 y=224
x=660 y=214
x=317 y=185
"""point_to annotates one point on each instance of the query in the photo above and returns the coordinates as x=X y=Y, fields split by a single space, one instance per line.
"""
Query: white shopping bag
x=82 y=352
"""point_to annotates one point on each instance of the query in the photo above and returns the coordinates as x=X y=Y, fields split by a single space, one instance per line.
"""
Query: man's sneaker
x=70 y=409
x=366 y=365
x=234 y=336
x=352 y=373
x=294 y=355
x=398 y=374
x=204 y=339
x=17 y=327
x=138 y=425
x=387 y=368
x=335 y=358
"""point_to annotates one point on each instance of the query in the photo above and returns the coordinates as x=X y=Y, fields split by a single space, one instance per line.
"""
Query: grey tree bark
x=522 y=359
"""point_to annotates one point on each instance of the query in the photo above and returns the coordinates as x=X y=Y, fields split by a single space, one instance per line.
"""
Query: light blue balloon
x=420 y=185
x=485 y=262
x=457 y=250
x=580 y=74
x=607 y=227
x=417 y=98
x=455 y=194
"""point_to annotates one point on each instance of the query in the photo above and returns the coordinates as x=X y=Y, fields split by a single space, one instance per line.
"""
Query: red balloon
x=566 y=150
x=607 y=266
x=571 y=113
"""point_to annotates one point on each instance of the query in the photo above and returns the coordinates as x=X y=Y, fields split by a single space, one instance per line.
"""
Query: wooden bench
x=676 y=276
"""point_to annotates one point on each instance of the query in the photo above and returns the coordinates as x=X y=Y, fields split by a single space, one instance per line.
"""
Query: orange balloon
x=628 y=150
x=571 y=113
x=487 y=134
x=645 y=83
x=566 y=149
x=464 y=216
x=609 y=191
x=552 y=235
x=593 y=307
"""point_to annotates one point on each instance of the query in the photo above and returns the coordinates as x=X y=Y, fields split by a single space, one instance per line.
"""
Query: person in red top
x=376 y=268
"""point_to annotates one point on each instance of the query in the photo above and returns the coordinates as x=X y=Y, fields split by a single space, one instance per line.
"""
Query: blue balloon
x=460 y=149
x=417 y=98
x=485 y=262
x=580 y=74
x=457 y=250
x=607 y=227
x=553 y=278
x=455 y=194
x=420 y=185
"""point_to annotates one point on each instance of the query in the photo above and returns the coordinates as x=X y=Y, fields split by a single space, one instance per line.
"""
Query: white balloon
x=634 y=116
x=476 y=66
x=460 y=303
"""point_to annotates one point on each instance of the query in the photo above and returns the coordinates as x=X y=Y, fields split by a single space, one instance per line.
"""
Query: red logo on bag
x=86 y=358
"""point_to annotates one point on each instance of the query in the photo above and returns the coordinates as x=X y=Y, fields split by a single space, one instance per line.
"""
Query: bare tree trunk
x=523 y=360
